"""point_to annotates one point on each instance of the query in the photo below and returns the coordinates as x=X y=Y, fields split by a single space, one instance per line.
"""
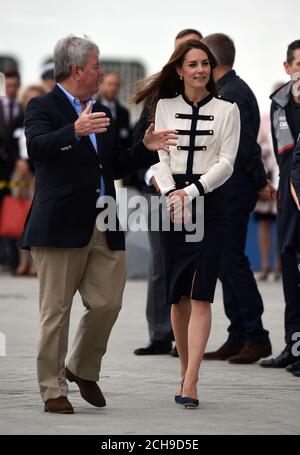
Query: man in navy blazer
x=76 y=155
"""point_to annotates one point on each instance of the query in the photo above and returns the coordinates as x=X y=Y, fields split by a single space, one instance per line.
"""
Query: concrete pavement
x=139 y=390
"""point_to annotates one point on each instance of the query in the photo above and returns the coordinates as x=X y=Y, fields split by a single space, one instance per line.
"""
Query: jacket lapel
x=65 y=105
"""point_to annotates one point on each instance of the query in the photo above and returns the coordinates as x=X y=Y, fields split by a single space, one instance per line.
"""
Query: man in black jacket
x=285 y=122
x=109 y=91
x=72 y=145
x=11 y=118
x=157 y=309
x=248 y=341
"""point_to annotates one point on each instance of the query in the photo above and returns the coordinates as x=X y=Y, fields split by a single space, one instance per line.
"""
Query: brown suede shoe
x=251 y=353
x=60 y=405
x=223 y=353
x=89 y=390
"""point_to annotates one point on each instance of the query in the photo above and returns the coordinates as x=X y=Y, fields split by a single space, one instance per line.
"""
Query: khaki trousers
x=99 y=275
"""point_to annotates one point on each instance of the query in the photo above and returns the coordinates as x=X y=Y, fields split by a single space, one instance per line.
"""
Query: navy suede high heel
x=178 y=398
x=189 y=403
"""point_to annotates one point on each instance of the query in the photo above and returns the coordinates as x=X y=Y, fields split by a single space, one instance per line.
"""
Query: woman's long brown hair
x=167 y=83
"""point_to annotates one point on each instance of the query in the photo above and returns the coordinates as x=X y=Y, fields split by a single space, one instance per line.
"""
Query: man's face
x=293 y=70
x=110 y=86
x=91 y=75
x=12 y=85
x=294 y=66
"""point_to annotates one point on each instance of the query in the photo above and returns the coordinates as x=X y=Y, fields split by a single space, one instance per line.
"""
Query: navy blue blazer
x=248 y=159
x=295 y=170
x=63 y=211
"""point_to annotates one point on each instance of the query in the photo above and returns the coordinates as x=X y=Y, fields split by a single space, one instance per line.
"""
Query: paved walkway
x=139 y=391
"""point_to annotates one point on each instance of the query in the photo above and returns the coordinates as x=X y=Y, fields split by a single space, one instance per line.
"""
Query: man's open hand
x=159 y=140
x=90 y=123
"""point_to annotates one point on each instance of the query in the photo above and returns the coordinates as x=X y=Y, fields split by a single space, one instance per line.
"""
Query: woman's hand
x=177 y=205
x=159 y=140
x=177 y=199
x=181 y=217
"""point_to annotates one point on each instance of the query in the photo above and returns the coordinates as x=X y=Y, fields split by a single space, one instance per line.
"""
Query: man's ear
x=75 y=72
x=287 y=68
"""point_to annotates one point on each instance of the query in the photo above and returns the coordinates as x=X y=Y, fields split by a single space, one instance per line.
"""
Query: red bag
x=13 y=213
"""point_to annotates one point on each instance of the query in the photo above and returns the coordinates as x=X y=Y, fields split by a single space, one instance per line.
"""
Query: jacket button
x=98 y=191
x=100 y=166
x=187 y=182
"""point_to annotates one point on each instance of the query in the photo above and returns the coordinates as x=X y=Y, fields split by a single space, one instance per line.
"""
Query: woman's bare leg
x=198 y=333
x=180 y=317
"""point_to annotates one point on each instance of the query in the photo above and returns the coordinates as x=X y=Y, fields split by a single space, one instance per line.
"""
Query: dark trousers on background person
x=9 y=254
x=242 y=301
x=291 y=289
x=157 y=309
x=2 y=252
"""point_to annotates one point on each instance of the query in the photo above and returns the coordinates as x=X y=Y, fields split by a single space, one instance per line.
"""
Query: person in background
x=108 y=96
x=247 y=340
x=23 y=178
x=187 y=34
x=11 y=116
x=47 y=77
x=157 y=310
x=265 y=211
x=285 y=122
x=295 y=190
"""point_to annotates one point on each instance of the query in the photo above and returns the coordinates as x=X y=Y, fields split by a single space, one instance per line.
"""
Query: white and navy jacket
x=209 y=136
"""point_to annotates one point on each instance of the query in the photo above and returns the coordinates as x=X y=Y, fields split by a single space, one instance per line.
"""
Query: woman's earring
x=180 y=77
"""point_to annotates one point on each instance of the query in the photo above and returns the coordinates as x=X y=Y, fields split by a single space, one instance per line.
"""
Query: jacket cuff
x=194 y=190
x=150 y=157
x=169 y=192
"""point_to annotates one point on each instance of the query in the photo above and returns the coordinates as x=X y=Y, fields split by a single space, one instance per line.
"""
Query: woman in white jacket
x=182 y=96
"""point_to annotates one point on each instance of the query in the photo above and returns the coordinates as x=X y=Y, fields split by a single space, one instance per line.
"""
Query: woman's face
x=195 y=69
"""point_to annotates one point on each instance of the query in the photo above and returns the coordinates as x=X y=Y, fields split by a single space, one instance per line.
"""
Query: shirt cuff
x=148 y=176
